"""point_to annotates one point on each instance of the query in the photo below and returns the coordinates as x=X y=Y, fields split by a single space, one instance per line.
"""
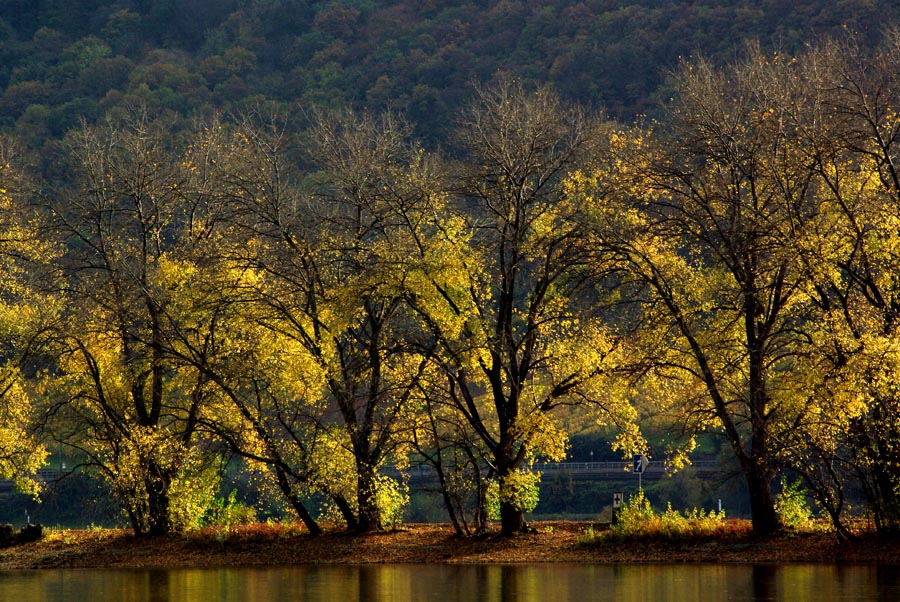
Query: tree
x=264 y=382
x=25 y=310
x=856 y=151
x=444 y=440
x=260 y=380
x=326 y=289
x=711 y=227
x=499 y=288
x=124 y=402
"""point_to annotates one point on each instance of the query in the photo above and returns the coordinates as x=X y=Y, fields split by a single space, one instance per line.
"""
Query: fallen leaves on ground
x=557 y=541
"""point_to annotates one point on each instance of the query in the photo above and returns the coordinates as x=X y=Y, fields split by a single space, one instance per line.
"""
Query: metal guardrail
x=47 y=475
x=578 y=470
x=618 y=469
x=421 y=473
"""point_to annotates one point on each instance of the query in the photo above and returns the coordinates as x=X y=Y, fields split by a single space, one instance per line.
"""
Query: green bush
x=520 y=489
x=229 y=512
x=392 y=497
x=791 y=505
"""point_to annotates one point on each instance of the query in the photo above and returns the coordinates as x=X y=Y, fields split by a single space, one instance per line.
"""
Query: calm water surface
x=408 y=583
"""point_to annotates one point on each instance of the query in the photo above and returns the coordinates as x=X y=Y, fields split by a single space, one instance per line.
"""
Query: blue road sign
x=638 y=463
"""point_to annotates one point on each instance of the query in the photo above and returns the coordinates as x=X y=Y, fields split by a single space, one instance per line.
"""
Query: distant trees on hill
x=66 y=60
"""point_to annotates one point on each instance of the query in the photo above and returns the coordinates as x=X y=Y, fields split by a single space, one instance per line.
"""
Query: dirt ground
x=551 y=542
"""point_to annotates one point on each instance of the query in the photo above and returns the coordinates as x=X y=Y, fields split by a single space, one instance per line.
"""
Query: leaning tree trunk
x=346 y=510
x=296 y=503
x=445 y=495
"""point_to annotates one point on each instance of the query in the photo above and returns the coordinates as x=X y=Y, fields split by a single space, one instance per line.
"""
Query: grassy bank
x=557 y=541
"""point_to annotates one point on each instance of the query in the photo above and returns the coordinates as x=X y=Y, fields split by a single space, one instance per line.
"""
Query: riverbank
x=558 y=541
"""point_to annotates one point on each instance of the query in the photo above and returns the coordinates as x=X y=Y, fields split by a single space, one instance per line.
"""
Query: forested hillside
x=62 y=60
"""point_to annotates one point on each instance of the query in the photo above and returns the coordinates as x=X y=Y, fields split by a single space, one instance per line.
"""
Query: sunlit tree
x=712 y=222
x=856 y=148
x=26 y=309
x=499 y=291
x=123 y=402
x=338 y=371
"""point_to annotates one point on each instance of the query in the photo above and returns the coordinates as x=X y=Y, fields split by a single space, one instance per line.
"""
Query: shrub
x=392 y=498
x=637 y=519
x=229 y=512
x=588 y=535
x=520 y=489
x=791 y=505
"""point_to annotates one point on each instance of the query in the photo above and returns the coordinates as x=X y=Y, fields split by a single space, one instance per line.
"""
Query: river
x=461 y=583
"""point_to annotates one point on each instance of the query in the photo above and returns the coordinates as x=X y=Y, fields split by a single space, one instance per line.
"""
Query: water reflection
x=476 y=583
x=765 y=578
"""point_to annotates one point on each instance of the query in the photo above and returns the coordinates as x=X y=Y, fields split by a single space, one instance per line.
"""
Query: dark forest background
x=64 y=60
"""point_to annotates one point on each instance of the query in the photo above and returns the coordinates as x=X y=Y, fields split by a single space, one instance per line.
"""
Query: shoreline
x=552 y=542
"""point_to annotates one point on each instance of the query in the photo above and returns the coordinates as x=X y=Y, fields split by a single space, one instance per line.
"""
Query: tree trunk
x=286 y=489
x=762 y=503
x=346 y=511
x=445 y=495
x=759 y=465
x=482 y=515
x=369 y=513
x=159 y=517
x=881 y=445
x=512 y=519
x=886 y=502
x=137 y=525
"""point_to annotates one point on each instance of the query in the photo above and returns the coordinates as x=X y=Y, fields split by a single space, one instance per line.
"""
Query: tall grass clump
x=636 y=519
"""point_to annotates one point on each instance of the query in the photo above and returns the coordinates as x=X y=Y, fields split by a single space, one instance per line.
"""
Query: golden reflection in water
x=463 y=583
